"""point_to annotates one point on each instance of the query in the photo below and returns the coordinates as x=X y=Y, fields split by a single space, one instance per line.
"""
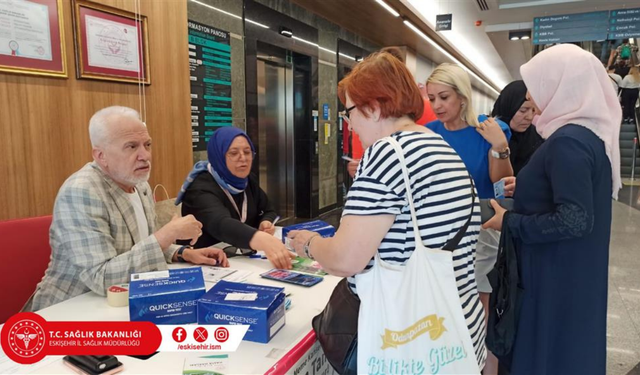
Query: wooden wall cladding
x=44 y=135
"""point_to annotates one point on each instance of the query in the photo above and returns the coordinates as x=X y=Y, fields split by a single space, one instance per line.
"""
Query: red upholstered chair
x=24 y=257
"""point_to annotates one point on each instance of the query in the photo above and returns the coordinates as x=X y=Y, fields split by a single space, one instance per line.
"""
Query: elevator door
x=275 y=131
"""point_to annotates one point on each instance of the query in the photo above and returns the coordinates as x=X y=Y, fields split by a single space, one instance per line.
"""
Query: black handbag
x=505 y=300
x=336 y=326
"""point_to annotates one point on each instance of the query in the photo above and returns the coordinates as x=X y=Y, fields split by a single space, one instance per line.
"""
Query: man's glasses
x=233 y=251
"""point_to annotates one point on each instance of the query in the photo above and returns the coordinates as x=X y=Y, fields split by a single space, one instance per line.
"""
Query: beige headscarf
x=570 y=86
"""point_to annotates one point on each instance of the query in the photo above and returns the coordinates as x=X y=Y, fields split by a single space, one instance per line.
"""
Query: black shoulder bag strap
x=452 y=244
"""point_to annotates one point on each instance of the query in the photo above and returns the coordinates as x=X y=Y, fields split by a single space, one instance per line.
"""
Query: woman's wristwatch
x=502 y=154
x=306 y=249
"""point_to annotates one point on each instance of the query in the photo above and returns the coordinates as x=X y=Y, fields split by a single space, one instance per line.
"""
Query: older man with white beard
x=103 y=226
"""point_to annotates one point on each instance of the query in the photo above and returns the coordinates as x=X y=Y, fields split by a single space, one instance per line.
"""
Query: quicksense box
x=166 y=297
x=319 y=226
x=260 y=307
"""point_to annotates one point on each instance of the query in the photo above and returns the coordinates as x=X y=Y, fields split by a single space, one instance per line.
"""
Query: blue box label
x=166 y=297
x=265 y=315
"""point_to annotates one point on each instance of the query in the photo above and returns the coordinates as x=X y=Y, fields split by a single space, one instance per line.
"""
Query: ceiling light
x=286 y=32
x=519 y=34
x=318 y=46
x=228 y=14
x=534 y=3
x=358 y=58
x=347 y=56
x=256 y=23
x=388 y=8
x=326 y=49
x=450 y=56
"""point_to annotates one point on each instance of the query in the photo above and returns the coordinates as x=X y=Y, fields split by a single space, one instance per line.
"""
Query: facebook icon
x=179 y=334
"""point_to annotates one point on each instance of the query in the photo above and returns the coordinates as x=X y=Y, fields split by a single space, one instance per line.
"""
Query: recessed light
x=286 y=32
x=388 y=8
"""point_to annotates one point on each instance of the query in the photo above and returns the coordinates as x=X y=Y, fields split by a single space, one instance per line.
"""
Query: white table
x=279 y=356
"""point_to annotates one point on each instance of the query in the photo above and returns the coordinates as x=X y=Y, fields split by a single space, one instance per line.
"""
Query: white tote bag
x=411 y=320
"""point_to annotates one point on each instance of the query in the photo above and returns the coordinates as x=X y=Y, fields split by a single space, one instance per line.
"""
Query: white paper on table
x=215 y=274
x=7 y=366
x=210 y=364
x=239 y=276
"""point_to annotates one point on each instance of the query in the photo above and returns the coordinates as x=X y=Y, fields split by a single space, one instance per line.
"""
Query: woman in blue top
x=483 y=146
x=481 y=142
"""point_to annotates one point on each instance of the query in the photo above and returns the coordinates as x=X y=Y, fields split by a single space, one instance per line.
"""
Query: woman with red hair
x=382 y=104
x=427 y=116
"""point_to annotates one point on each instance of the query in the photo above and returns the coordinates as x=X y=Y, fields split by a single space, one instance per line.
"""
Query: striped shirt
x=442 y=198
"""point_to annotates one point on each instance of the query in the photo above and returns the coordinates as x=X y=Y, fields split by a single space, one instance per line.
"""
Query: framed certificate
x=111 y=44
x=31 y=37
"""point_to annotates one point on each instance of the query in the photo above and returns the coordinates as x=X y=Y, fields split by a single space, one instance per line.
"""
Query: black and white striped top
x=442 y=198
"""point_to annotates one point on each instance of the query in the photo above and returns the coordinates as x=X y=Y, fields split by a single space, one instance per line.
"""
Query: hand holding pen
x=269 y=227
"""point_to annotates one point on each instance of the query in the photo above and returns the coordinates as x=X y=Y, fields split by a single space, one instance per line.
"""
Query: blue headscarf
x=217 y=165
x=217 y=154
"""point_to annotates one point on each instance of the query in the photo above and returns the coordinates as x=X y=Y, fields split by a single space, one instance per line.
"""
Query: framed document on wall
x=31 y=37
x=111 y=44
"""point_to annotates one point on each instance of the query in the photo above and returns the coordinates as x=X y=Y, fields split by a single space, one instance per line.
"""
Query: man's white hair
x=100 y=122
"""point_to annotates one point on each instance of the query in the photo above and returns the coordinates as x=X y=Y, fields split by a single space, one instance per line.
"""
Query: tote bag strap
x=166 y=194
x=451 y=244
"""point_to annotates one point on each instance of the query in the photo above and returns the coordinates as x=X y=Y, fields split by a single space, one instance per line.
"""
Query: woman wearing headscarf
x=561 y=221
x=229 y=203
x=513 y=108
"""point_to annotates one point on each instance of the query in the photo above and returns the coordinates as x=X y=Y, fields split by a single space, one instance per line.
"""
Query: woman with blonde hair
x=630 y=85
x=483 y=146
x=482 y=142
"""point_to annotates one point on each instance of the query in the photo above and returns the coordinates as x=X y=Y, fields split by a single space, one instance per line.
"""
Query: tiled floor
x=630 y=195
x=623 y=338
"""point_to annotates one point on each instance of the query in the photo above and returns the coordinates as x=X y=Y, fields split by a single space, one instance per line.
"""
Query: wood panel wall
x=44 y=135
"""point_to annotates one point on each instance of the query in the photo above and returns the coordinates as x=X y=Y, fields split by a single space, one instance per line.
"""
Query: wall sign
x=443 y=22
x=210 y=67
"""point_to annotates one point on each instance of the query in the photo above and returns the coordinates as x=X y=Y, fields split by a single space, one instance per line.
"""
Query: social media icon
x=179 y=334
x=221 y=334
x=200 y=334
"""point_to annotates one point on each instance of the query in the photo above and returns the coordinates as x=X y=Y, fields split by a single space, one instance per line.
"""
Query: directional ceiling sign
x=624 y=23
x=571 y=28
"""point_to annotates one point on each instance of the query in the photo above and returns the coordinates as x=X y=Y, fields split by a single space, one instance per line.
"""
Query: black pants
x=629 y=98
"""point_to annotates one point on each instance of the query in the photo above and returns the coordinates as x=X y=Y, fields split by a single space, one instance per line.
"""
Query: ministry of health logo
x=26 y=338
